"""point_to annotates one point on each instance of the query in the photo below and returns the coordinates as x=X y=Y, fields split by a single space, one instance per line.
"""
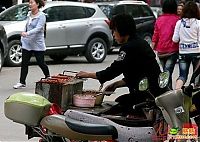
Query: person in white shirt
x=187 y=33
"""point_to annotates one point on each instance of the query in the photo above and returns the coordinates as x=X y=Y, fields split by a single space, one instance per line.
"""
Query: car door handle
x=89 y=24
x=142 y=21
x=62 y=27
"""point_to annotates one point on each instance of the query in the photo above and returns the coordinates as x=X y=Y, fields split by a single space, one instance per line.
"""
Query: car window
x=16 y=13
x=107 y=9
x=52 y=14
x=90 y=11
x=146 y=11
x=118 y=9
x=75 y=12
x=60 y=13
x=133 y=10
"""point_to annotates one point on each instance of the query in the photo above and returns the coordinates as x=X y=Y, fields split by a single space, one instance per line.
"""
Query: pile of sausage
x=58 y=79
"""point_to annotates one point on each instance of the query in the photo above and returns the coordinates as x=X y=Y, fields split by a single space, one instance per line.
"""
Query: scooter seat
x=130 y=122
x=77 y=130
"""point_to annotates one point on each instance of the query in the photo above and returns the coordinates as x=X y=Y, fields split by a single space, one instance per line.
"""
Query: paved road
x=10 y=131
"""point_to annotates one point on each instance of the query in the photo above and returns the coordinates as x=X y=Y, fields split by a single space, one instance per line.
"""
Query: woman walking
x=187 y=33
x=33 y=42
x=162 y=43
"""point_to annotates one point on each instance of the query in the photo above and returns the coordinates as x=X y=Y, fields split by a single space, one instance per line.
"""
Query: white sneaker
x=19 y=86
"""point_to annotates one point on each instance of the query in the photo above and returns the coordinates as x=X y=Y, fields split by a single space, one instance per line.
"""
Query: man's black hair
x=169 y=6
x=124 y=24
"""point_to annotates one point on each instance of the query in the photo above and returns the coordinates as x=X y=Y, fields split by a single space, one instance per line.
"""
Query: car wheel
x=96 y=50
x=14 y=57
x=57 y=58
x=148 y=38
x=1 y=59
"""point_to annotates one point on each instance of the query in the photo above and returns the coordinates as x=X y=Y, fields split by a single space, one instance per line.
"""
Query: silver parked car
x=73 y=28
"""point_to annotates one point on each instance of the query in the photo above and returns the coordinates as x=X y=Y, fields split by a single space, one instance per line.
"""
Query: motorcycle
x=43 y=119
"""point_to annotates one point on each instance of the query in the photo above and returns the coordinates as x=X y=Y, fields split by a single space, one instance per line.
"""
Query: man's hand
x=83 y=74
x=188 y=90
x=112 y=87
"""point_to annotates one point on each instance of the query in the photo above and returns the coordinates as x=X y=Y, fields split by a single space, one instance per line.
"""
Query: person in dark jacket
x=136 y=60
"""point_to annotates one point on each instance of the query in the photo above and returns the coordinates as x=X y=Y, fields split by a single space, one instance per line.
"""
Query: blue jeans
x=168 y=64
x=184 y=65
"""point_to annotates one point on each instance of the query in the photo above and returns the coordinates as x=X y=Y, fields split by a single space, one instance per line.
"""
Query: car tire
x=14 y=57
x=148 y=38
x=96 y=50
x=1 y=59
x=57 y=58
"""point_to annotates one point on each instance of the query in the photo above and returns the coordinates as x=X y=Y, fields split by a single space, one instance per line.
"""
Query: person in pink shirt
x=162 y=43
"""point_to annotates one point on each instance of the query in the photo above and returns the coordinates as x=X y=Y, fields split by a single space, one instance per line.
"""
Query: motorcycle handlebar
x=188 y=90
x=143 y=104
x=196 y=89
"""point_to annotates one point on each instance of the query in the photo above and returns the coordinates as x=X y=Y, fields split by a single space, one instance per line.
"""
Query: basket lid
x=28 y=98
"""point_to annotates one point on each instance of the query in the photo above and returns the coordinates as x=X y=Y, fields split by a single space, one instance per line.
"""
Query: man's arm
x=83 y=74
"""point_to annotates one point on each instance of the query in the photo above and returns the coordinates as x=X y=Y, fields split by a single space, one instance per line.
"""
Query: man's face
x=120 y=39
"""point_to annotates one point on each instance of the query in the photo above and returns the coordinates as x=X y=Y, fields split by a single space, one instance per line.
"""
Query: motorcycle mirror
x=143 y=84
x=163 y=79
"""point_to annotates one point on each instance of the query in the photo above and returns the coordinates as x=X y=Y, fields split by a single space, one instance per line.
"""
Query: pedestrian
x=180 y=8
x=136 y=60
x=33 y=42
x=187 y=33
x=162 y=43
